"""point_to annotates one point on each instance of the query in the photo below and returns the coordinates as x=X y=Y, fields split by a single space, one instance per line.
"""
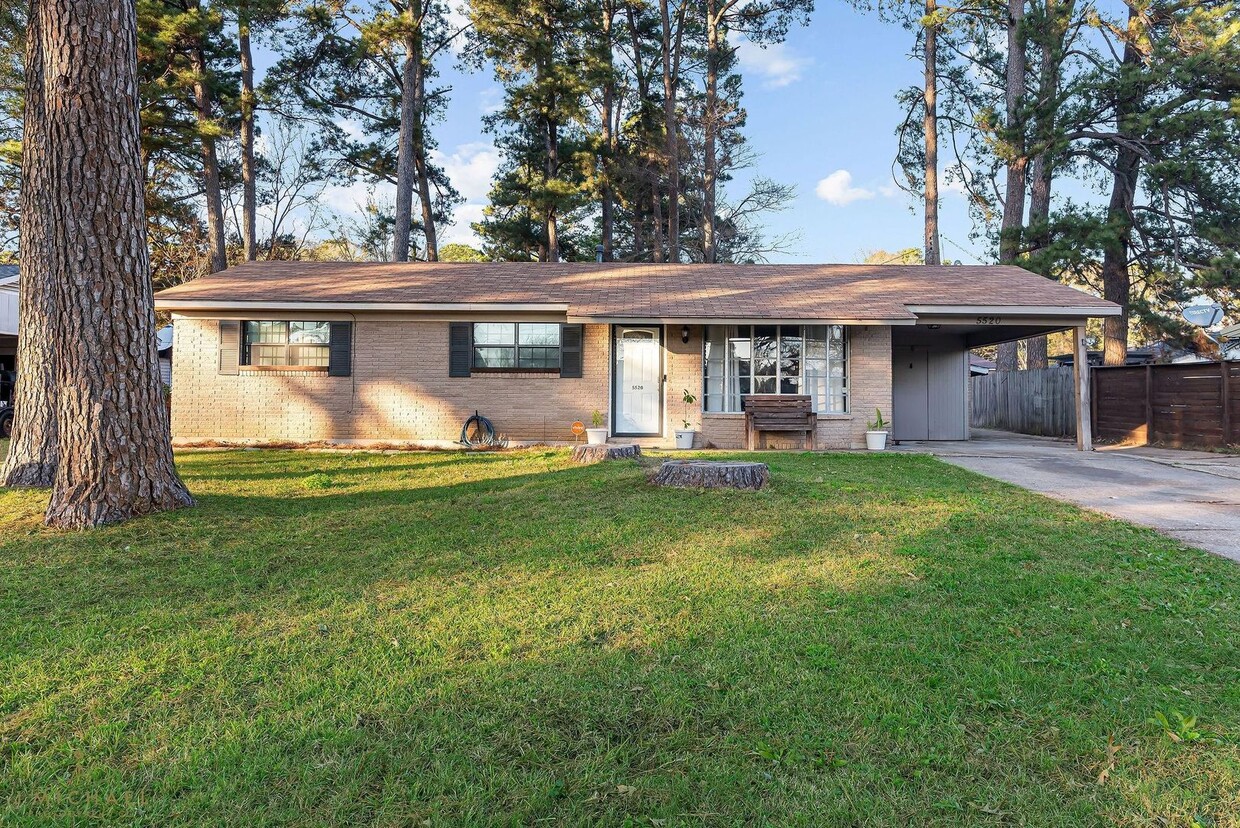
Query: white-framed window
x=303 y=345
x=512 y=346
x=776 y=359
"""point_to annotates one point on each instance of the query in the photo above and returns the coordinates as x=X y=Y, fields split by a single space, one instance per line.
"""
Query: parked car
x=7 y=380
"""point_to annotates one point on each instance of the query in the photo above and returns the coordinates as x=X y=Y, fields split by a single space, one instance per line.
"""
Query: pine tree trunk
x=428 y=208
x=1116 y=281
x=1039 y=240
x=656 y=217
x=249 y=171
x=1014 y=200
x=671 y=135
x=607 y=195
x=405 y=168
x=1043 y=171
x=32 y=456
x=710 y=117
x=1039 y=217
x=649 y=168
x=553 y=169
x=210 y=161
x=115 y=453
x=420 y=161
x=930 y=127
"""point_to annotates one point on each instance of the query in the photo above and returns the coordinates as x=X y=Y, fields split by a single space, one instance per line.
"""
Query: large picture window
x=776 y=359
x=511 y=346
x=300 y=345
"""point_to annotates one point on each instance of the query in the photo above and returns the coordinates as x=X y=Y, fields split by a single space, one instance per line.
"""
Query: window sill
x=282 y=369
x=514 y=370
x=732 y=415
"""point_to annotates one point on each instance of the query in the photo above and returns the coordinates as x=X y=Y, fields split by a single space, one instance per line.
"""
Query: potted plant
x=876 y=437
x=684 y=436
x=597 y=435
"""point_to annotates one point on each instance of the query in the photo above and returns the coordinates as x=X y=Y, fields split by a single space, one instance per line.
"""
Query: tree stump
x=595 y=454
x=706 y=474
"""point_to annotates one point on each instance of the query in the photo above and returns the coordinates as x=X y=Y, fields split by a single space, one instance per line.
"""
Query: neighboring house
x=8 y=317
x=163 y=343
x=1230 y=339
x=1157 y=353
x=1135 y=356
x=373 y=353
x=980 y=366
x=8 y=328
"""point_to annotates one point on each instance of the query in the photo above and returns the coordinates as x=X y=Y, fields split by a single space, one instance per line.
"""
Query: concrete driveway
x=1192 y=496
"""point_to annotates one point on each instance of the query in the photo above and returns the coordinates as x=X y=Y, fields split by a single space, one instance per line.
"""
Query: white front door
x=637 y=377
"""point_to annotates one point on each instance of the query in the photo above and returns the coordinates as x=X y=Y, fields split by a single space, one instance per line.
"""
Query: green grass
x=507 y=639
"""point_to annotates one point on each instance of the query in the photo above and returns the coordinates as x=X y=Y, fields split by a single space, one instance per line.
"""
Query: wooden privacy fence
x=1039 y=401
x=1192 y=405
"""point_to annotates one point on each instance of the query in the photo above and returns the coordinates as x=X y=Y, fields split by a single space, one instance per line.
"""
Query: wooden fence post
x=1225 y=393
x=1080 y=367
x=1093 y=402
x=1149 y=404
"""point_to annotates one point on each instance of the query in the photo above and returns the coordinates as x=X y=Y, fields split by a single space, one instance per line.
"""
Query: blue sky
x=822 y=115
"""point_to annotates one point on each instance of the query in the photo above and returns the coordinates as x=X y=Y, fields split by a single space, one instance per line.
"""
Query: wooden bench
x=779 y=412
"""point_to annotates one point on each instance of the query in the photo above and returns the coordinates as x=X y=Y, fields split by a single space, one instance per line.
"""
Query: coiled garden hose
x=483 y=432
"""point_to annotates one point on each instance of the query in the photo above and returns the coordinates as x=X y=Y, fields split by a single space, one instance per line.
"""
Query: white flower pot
x=596 y=436
x=876 y=440
x=684 y=438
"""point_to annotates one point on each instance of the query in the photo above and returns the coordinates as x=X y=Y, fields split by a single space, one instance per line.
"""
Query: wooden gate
x=1039 y=401
x=1194 y=405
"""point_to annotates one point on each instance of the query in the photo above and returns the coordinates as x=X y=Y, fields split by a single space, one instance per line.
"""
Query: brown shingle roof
x=827 y=291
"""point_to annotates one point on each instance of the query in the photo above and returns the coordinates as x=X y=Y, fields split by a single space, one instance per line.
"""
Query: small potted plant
x=684 y=436
x=876 y=437
x=597 y=435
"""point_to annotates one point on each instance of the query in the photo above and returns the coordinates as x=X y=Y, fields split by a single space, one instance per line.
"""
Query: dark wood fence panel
x=1041 y=401
x=1182 y=406
x=1119 y=404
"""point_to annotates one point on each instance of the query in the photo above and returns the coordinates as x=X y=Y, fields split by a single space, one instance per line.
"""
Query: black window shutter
x=340 y=349
x=571 y=338
x=460 y=348
x=230 y=347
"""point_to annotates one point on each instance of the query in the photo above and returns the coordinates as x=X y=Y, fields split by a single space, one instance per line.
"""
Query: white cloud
x=778 y=65
x=490 y=100
x=837 y=188
x=954 y=178
x=352 y=129
x=461 y=231
x=470 y=168
x=458 y=20
x=350 y=199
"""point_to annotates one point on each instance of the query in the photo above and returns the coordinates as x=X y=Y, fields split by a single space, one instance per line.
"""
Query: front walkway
x=1192 y=496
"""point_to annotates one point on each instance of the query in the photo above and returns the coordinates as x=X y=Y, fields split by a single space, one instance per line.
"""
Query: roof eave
x=606 y=319
x=1078 y=311
x=174 y=304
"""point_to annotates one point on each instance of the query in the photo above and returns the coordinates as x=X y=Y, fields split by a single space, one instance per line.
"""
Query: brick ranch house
x=403 y=353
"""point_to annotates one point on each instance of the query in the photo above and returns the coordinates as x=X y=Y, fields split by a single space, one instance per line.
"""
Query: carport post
x=1080 y=371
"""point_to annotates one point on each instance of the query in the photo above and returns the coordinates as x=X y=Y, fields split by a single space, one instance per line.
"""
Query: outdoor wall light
x=684 y=333
x=934 y=327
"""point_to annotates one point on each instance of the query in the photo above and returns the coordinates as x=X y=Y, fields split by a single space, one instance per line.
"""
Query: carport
x=930 y=363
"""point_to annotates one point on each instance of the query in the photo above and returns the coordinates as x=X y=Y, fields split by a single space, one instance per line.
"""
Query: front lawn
x=436 y=639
